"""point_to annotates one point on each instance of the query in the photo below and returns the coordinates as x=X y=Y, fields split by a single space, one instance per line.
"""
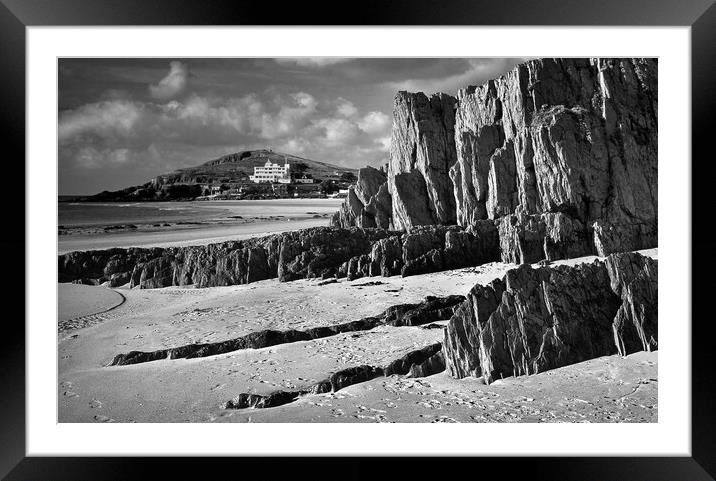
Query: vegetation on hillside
x=231 y=173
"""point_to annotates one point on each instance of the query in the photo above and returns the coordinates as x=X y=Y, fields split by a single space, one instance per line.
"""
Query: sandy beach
x=608 y=389
x=209 y=222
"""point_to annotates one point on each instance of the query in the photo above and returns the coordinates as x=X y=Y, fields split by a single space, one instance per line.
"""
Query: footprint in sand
x=378 y=418
x=444 y=419
x=70 y=394
x=103 y=419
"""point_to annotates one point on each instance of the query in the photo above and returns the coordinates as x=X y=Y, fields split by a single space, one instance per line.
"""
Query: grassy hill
x=237 y=168
x=227 y=170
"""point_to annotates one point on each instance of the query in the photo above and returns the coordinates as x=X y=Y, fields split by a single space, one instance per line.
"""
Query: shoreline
x=209 y=222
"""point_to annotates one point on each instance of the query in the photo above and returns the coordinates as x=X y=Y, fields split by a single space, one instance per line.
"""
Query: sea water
x=93 y=214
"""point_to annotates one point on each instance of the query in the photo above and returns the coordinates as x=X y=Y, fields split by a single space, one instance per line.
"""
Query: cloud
x=312 y=61
x=345 y=108
x=106 y=119
x=123 y=121
x=93 y=158
x=127 y=133
x=478 y=72
x=173 y=84
x=375 y=123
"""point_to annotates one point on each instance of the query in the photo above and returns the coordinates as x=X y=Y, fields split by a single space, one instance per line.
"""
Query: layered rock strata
x=536 y=319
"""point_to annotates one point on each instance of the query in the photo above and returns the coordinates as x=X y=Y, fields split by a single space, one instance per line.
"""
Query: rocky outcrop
x=307 y=253
x=341 y=379
x=430 y=310
x=426 y=249
x=412 y=360
x=368 y=203
x=560 y=153
x=320 y=252
x=432 y=365
x=422 y=150
x=574 y=137
x=552 y=236
x=534 y=320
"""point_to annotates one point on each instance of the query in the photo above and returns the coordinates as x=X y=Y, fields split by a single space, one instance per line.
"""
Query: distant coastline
x=275 y=176
x=104 y=225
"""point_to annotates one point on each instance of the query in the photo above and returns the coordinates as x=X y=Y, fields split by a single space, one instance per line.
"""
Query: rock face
x=560 y=153
x=307 y=253
x=575 y=138
x=534 y=320
x=422 y=150
x=426 y=249
x=368 y=203
x=322 y=252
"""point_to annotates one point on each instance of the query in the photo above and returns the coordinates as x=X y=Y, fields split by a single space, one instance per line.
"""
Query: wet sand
x=225 y=220
x=609 y=389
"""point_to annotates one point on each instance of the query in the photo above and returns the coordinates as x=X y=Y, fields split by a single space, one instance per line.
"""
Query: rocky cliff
x=561 y=154
x=534 y=320
x=422 y=150
x=561 y=151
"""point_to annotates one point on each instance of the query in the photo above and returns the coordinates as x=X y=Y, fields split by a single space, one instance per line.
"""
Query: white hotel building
x=272 y=173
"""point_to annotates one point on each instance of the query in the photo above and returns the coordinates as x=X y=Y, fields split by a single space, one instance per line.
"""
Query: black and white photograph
x=357 y=240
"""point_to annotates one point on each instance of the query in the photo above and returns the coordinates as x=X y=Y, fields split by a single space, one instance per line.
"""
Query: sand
x=609 y=389
x=80 y=305
x=229 y=220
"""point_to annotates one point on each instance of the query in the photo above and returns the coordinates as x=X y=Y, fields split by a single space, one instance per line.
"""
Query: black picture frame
x=700 y=15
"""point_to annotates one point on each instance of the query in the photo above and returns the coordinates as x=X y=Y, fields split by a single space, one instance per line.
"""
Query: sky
x=123 y=121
